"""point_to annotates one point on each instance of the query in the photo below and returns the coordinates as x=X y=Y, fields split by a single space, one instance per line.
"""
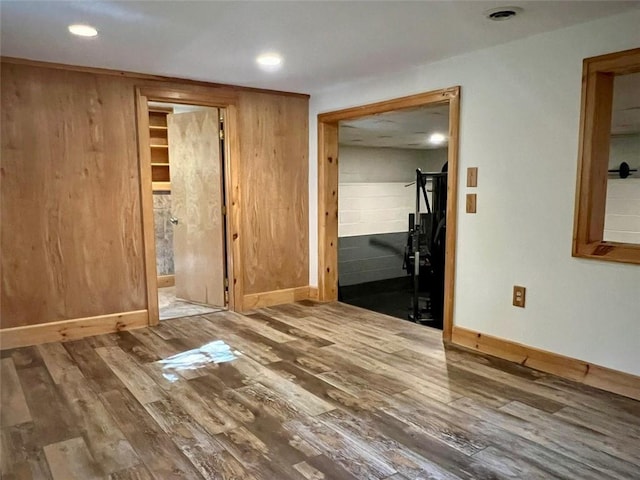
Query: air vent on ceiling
x=502 y=13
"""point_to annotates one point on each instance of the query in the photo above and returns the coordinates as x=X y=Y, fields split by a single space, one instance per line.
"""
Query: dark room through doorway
x=393 y=165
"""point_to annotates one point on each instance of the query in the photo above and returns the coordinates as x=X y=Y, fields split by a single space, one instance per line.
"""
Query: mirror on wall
x=622 y=212
x=607 y=214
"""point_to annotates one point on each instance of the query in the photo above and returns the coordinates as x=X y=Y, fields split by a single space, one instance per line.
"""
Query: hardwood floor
x=304 y=391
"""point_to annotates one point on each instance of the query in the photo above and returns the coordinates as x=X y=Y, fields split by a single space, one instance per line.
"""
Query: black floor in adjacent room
x=391 y=297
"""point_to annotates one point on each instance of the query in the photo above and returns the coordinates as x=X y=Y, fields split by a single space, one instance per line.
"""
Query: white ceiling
x=409 y=128
x=323 y=42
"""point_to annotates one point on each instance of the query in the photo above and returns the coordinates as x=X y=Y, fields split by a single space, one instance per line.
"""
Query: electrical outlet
x=519 y=294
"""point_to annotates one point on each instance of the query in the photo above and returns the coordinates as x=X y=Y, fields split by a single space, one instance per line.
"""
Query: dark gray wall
x=363 y=259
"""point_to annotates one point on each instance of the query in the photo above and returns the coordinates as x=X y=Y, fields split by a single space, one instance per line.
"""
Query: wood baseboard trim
x=166 y=281
x=580 y=371
x=275 y=297
x=314 y=294
x=66 y=330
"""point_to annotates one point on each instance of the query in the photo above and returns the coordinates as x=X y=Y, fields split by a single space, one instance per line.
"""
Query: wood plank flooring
x=302 y=391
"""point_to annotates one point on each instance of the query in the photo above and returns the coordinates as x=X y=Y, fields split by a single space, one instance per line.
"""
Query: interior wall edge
x=604 y=378
x=143 y=76
x=74 y=329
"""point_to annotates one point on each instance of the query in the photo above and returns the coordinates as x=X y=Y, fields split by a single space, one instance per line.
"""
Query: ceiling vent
x=502 y=13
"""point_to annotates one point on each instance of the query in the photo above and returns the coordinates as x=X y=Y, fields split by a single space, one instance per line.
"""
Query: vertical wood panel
x=597 y=145
x=233 y=176
x=71 y=238
x=146 y=201
x=452 y=213
x=275 y=192
x=328 y=211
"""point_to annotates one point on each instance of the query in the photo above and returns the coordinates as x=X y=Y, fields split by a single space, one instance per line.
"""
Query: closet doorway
x=328 y=188
x=182 y=152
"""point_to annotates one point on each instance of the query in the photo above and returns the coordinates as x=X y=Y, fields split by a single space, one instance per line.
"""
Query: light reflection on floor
x=213 y=352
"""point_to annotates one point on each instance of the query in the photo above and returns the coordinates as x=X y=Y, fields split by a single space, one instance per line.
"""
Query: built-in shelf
x=159 y=146
x=161 y=186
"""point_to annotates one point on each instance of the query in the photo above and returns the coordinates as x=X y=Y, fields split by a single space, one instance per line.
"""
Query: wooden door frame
x=328 y=189
x=231 y=179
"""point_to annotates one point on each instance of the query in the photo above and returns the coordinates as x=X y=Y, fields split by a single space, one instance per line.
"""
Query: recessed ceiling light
x=83 y=30
x=502 y=13
x=437 y=138
x=269 y=61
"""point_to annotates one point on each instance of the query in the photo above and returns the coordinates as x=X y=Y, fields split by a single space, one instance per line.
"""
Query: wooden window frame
x=328 y=189
x=598 y=74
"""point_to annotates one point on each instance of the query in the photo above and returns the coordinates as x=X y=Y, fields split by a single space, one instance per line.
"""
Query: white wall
x=520 y=111
x=372 y=192
x=374 y=164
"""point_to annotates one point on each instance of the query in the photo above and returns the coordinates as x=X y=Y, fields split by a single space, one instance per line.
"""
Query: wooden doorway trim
x=328 y=189
x=225 y=101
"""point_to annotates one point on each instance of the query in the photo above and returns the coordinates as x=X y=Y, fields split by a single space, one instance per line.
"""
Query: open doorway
x=186 y=152
x=390 y=215
x=187 y=181
x=328 y=188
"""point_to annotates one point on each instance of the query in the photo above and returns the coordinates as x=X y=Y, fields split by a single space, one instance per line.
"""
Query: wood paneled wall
x=275 y=214
x=71 y=221
x=71 y=239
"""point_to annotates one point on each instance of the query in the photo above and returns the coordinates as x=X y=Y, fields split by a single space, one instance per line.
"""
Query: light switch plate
x=471 y=203
x=472 y=177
